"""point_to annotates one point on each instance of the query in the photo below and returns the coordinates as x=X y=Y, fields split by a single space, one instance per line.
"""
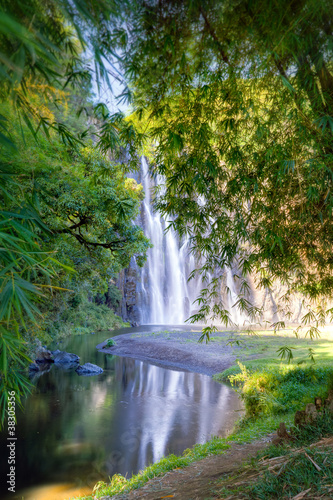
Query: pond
x=76 y=430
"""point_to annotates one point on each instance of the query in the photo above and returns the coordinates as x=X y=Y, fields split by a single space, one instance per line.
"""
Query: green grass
x=264 y=348
x=120 y=484
x=271 y=386
x=295 y=473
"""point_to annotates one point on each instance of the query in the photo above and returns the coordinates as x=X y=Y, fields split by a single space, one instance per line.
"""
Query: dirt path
x=196 y=482
x=178 y=349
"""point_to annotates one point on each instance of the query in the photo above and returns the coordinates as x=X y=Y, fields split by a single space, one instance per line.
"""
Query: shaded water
x=78 y=430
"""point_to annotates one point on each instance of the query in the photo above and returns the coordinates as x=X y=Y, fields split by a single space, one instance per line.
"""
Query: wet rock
x=38 y=369
x=89 y=369
x=33 y=367
x=65 y=358
x=43 y=355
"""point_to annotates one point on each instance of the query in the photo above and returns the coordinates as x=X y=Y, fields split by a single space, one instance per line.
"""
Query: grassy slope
x=258 y=354
x=303 y=467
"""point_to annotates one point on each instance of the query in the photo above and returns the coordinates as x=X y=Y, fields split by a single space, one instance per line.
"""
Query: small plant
x=110 y=343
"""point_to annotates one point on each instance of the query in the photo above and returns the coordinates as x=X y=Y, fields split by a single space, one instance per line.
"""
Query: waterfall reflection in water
x=79 y=430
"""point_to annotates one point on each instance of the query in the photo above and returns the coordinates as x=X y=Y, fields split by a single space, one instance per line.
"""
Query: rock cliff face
x=159 y=293
x=128 y=284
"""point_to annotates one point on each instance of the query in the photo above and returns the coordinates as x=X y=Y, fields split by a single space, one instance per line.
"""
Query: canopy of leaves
x=238 y=98
x=59 y=196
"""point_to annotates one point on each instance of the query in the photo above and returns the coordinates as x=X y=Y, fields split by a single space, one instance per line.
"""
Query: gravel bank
x=177 y=348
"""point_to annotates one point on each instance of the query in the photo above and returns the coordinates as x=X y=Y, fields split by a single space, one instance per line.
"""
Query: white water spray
x=166 y=293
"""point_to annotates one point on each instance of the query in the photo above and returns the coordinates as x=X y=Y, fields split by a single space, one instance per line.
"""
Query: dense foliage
x=67 y=208
x=238 y=98
x=281 y=389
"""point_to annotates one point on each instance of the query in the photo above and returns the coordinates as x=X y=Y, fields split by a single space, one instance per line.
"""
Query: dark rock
x=43 y=355
x=65 y=358
x=33 y=367
x=37 y=369
x=88 y=369
x=44 y=367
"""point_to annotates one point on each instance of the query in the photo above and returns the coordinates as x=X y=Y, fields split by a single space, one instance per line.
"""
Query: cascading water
x=166 y=294
x=159 y=293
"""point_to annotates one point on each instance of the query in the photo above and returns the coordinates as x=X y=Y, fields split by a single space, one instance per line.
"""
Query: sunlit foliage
x=238 y=98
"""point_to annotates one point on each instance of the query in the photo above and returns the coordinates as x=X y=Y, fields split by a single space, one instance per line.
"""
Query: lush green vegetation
x=67 y=207
x=237 y=97
x=269 y=386
x=282 y=389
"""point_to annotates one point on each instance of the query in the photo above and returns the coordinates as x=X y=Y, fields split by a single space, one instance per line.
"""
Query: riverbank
x=178 y=348
x=270 y=389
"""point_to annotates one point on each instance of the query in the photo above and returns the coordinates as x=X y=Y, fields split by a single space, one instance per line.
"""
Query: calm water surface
x=76 y=430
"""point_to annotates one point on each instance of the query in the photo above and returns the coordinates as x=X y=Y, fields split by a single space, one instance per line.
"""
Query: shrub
x=282 y=389
x=110 y=343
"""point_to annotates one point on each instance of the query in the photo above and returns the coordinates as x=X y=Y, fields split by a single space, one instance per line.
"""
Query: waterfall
x=159 y=293
x=166 y=296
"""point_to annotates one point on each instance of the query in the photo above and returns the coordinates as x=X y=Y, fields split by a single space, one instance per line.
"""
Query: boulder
x=38 y=368
x=33 y=367
x=43 y=355
x=65 y=358
x=88 y=369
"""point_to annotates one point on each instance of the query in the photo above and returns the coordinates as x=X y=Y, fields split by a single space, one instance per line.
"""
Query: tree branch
x=213 y=35
x=112 y=245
